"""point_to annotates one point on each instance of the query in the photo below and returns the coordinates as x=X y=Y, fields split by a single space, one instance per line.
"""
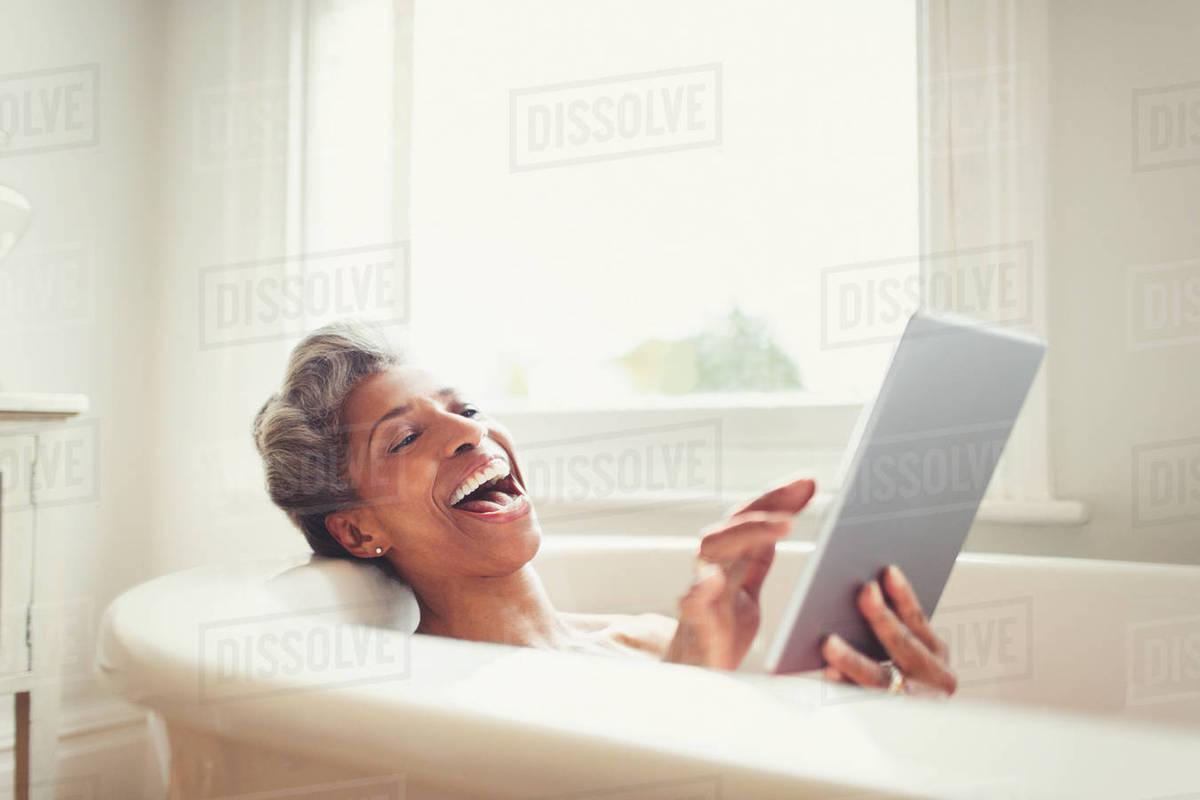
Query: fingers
x=908 y=652
x=752 y=530
x=901 y=644
x=904 y=633
x=853 y=665
x=789 y=498
x=909 y=609
x=727 y=541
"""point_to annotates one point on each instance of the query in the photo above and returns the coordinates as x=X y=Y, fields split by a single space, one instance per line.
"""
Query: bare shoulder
x=588 y=623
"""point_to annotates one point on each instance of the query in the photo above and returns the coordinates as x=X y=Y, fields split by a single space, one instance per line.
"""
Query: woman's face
x=416 y=448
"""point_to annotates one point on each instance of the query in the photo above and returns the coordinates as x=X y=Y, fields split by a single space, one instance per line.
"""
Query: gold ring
x=896 y=685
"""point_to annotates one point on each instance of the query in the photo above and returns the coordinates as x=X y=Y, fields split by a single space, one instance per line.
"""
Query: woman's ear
x=346 y=530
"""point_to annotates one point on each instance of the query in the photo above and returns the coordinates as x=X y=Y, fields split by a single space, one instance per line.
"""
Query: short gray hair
x=299 y=431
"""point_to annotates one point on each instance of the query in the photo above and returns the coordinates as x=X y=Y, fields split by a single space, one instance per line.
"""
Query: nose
x=467 y=434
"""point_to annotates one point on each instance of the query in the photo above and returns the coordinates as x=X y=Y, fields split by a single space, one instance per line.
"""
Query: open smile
x=490 y=492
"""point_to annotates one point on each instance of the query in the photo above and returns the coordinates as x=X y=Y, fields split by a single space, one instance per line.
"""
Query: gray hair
x=299 y=431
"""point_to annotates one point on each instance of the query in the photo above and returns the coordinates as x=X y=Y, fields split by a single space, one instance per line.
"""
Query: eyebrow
x=398 y=411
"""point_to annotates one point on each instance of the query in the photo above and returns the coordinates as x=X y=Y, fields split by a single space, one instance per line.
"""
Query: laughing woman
x=374 y=459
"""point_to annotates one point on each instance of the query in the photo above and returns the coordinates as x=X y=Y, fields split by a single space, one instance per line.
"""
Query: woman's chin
x=514 y=545
x=514 y=526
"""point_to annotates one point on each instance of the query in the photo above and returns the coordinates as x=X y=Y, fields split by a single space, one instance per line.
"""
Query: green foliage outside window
x=738 y=354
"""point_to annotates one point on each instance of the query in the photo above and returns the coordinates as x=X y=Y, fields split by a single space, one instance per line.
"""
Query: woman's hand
x=921 y=657
x=719 y=615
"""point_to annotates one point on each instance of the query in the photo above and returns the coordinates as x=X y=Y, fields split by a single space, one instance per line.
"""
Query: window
x=636 y=205
x=654 y=227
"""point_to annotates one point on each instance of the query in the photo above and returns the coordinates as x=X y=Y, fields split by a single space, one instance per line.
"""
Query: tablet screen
x=925 y=455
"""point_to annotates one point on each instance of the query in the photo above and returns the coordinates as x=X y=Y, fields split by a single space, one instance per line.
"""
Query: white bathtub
x=1080 y=679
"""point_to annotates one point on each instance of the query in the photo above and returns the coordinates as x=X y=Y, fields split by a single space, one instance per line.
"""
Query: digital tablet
x=923 y=455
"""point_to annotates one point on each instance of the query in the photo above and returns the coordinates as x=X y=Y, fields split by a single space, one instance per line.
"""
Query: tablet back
x=926 y=452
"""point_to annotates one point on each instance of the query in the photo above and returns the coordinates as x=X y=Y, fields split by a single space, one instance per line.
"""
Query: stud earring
x=378 y=550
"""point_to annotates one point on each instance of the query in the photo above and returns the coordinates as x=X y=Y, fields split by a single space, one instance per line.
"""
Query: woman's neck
x=511 y=609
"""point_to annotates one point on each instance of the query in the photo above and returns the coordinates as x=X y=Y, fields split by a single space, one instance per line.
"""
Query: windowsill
x=754 y=443
x=768 y=421
x=1036 y=513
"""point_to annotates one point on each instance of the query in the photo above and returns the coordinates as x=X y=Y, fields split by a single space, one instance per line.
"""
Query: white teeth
x=493 y=470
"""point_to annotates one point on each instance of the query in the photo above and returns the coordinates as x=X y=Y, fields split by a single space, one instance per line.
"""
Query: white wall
x=1105 y=219
x=79 y=313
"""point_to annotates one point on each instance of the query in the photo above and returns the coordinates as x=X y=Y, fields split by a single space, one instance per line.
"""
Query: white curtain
x=983 y=70
x=285 y=206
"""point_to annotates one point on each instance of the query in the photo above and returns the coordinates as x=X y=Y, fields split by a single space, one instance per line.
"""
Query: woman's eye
x=470 y=411
x=407 y=440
